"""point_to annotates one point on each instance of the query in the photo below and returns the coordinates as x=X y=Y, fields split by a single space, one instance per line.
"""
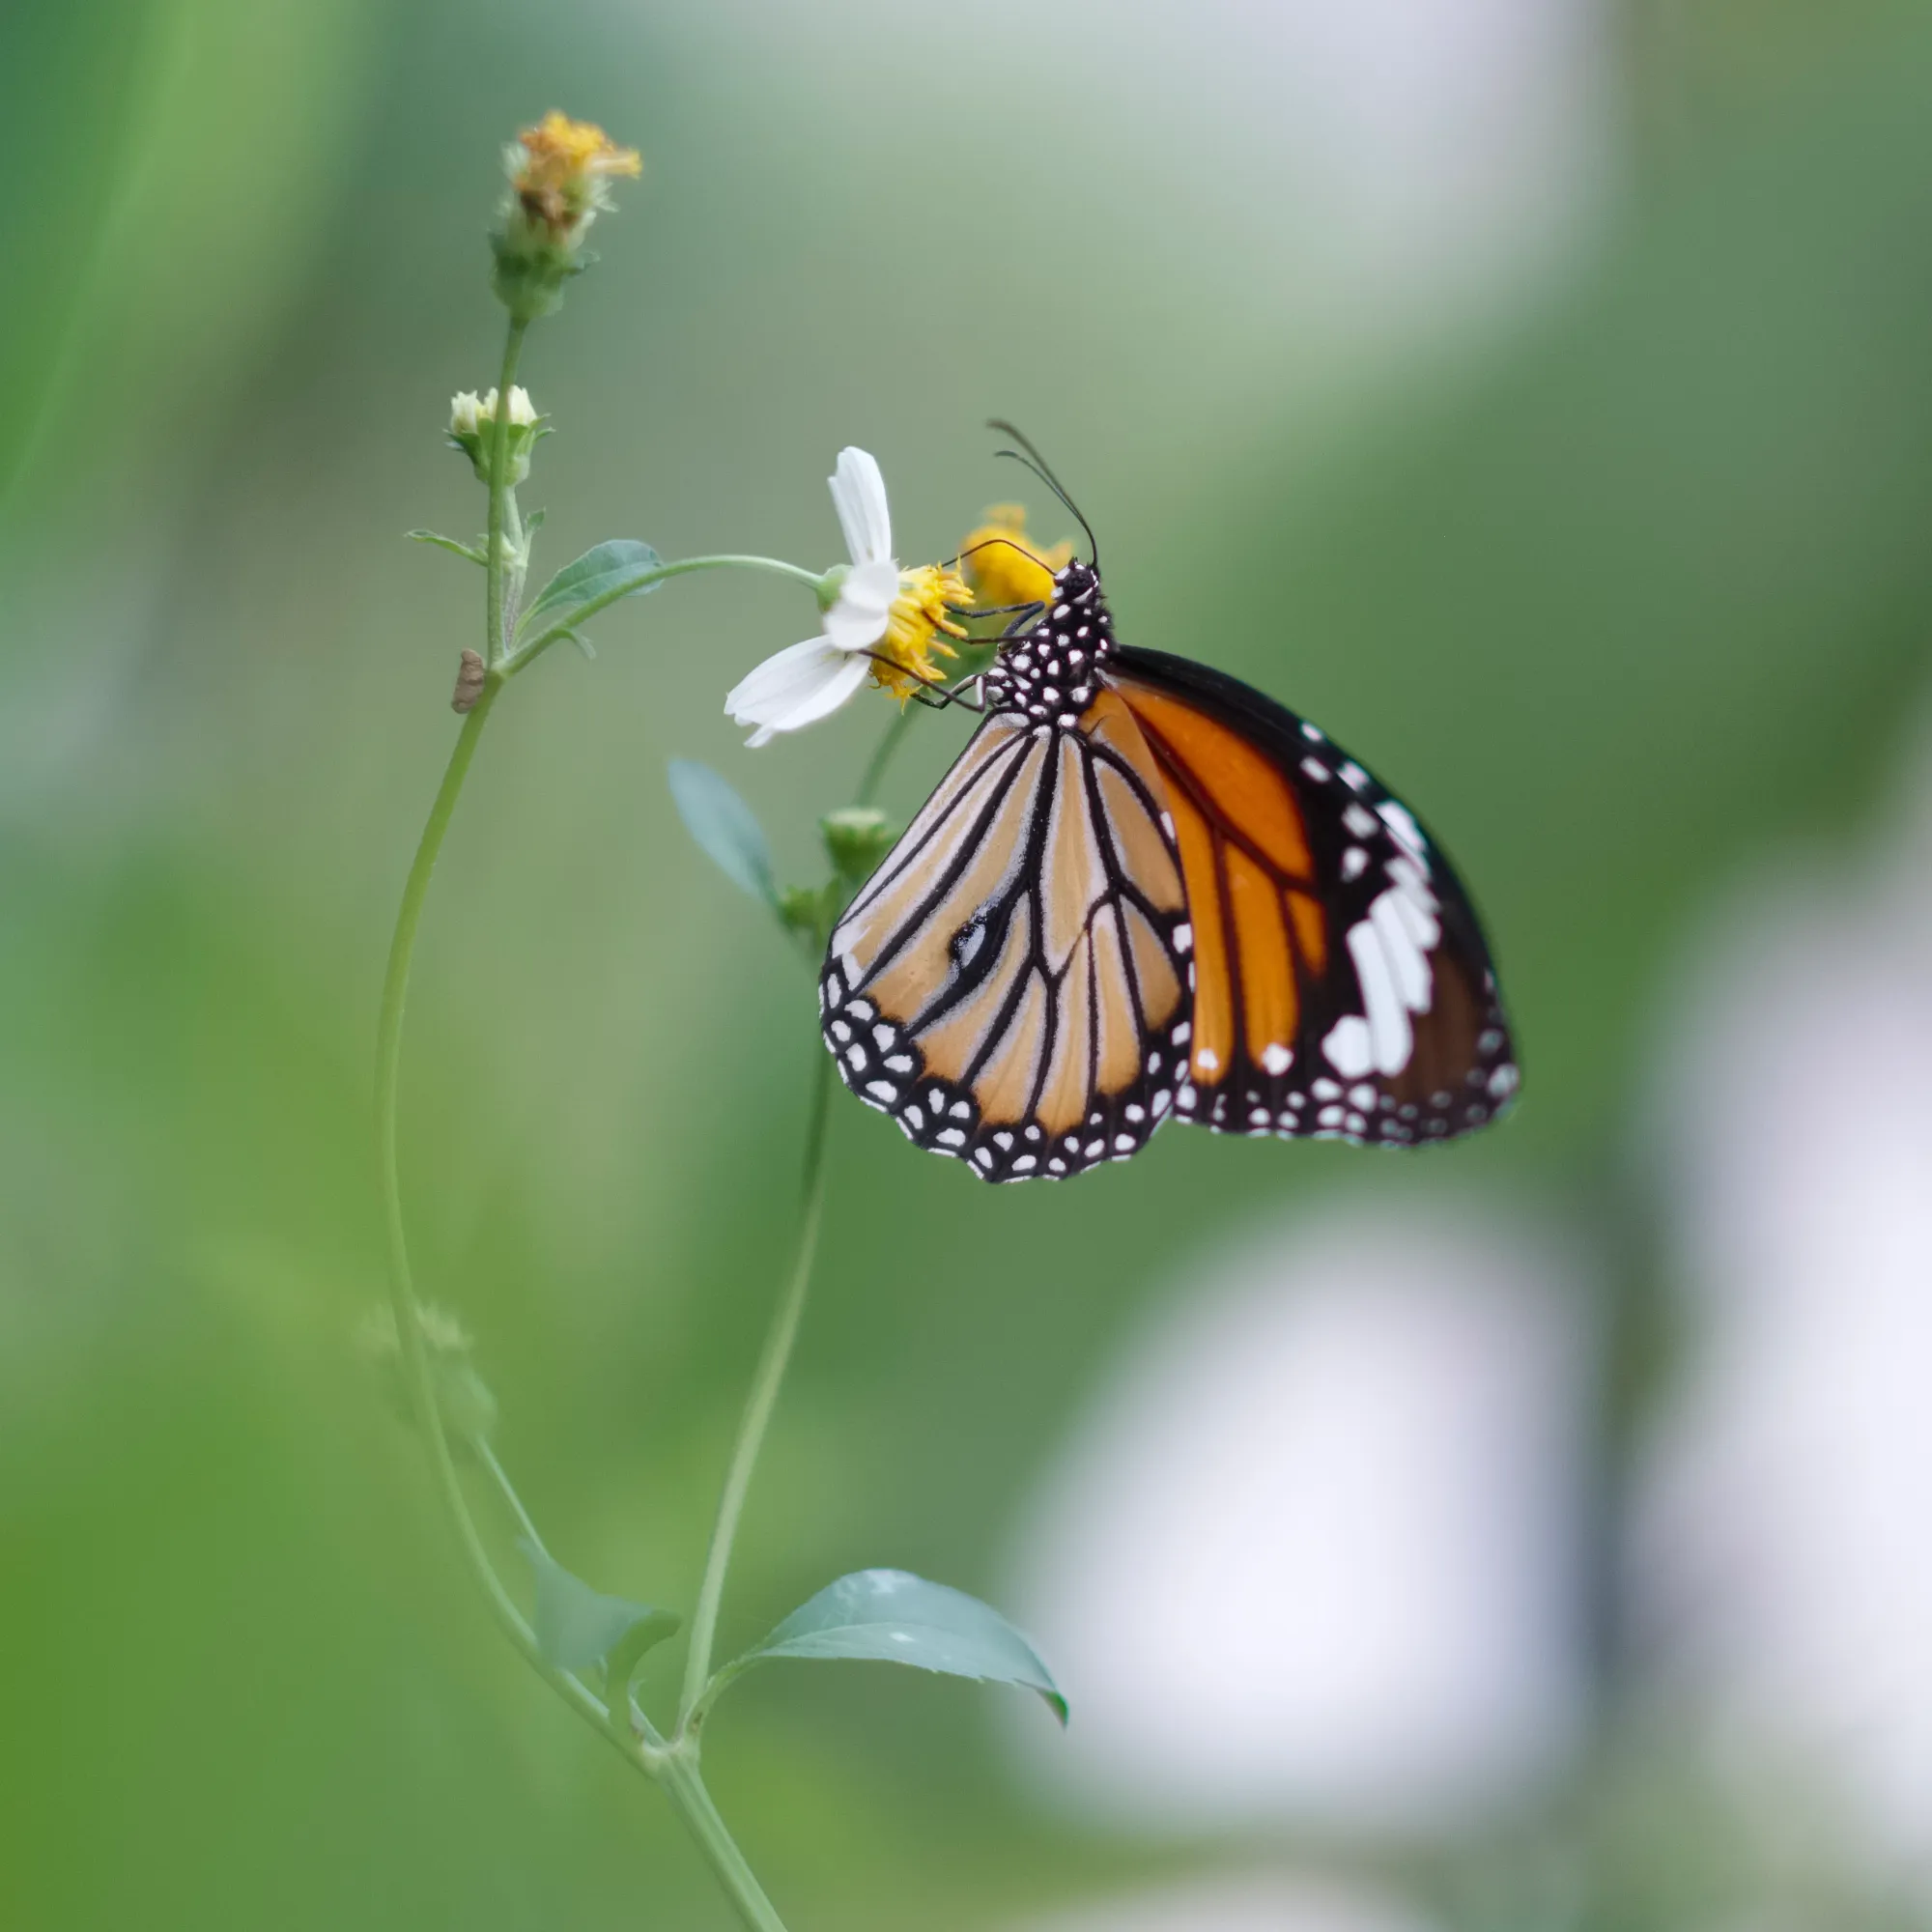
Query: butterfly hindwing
x=1342 y=986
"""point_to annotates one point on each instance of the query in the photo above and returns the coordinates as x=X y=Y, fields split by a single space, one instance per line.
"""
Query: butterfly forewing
x=1343 y=988
x=1011 y=984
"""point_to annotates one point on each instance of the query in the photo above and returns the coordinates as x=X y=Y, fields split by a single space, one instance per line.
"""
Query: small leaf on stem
x=725 y=828
x=446 y=543
x=892 y=1616
x=605 y=571
x=577 y=1626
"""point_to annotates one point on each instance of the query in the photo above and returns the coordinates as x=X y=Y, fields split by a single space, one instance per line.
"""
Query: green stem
x=421 y=1370
x=680 y=1778
x=758 y=1405
x=675 y=1769
x=525 y=655
x=876 y=771
x=495 y=638
x=500 y=1476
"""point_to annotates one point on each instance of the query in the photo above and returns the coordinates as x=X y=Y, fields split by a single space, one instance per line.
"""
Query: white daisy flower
x=874 y=606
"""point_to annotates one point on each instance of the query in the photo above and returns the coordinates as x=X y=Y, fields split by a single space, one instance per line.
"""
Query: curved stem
x=759 y=1403
x=495 y=629
x=676 y=1771
x=525 y=655
x=421 y=1370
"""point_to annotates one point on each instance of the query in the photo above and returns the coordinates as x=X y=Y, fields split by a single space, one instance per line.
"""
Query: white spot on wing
x=1401 y=821
x=1406 y=958
x=1391 y=1039
x=1347 y=1047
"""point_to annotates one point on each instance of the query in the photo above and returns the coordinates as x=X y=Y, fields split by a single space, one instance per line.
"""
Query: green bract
x=578 y=1626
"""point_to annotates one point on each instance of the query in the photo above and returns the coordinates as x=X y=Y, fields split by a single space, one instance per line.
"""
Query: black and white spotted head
x=1050 y=672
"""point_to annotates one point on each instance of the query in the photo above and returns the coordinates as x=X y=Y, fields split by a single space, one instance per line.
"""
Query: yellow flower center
x=565 y=166
x=1005 y=565
x=917 y=628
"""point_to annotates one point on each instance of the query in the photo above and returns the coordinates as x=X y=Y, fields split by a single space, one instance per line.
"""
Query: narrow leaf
x=724 y=827
x=608 y=571
x=445 y=543
x=577 y=1626
x=892 y=1616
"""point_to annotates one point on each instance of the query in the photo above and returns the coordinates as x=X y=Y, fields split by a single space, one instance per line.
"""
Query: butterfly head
x=1050 y=670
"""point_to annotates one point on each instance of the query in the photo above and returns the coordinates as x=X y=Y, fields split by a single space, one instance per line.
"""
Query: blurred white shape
x=1448 y=142
x=1239 y=1904
x=1311 y=1553
x=1782 y=1552
x=1394 y=163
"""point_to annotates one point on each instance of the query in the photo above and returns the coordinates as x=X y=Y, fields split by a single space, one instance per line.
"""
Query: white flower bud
x=473 y=422
x=523 y=412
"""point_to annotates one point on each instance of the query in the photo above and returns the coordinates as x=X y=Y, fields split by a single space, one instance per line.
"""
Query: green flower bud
x=857 y=836
x=805 y=911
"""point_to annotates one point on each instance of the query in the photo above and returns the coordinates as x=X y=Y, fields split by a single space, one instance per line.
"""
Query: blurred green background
x=1587 y=501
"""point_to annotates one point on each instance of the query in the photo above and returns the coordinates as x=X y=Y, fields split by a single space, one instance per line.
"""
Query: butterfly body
x=1146 y=891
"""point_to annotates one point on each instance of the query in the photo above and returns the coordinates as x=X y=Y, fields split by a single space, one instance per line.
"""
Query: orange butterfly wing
x=1342 y=986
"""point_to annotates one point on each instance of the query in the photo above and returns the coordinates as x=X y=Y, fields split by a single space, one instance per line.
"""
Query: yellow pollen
x=917 y=628
x=565 y=166
x=1005 y=565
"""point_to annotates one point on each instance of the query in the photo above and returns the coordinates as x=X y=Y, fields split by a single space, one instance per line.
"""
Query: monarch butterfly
x=1147 y=891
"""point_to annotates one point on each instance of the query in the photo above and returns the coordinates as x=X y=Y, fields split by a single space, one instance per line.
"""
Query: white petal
x=859 y=494
x=857 y=620
x=799 y=686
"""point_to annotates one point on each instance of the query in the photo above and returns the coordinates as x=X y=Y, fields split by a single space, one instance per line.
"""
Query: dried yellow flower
x=561 y=176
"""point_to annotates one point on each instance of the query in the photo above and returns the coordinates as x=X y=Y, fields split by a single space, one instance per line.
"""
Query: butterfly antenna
x=1037 y=464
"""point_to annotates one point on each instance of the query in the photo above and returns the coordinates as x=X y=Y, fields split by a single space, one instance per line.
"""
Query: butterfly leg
x=1027 y=614
x=938 y=700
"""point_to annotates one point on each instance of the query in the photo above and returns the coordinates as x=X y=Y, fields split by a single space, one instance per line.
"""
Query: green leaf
x=602 y=575
x=578 y=1626
x=891 y=1616
x=446 y=543
x=724 y=827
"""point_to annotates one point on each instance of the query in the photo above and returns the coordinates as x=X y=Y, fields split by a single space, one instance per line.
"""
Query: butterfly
x=1147 y=891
